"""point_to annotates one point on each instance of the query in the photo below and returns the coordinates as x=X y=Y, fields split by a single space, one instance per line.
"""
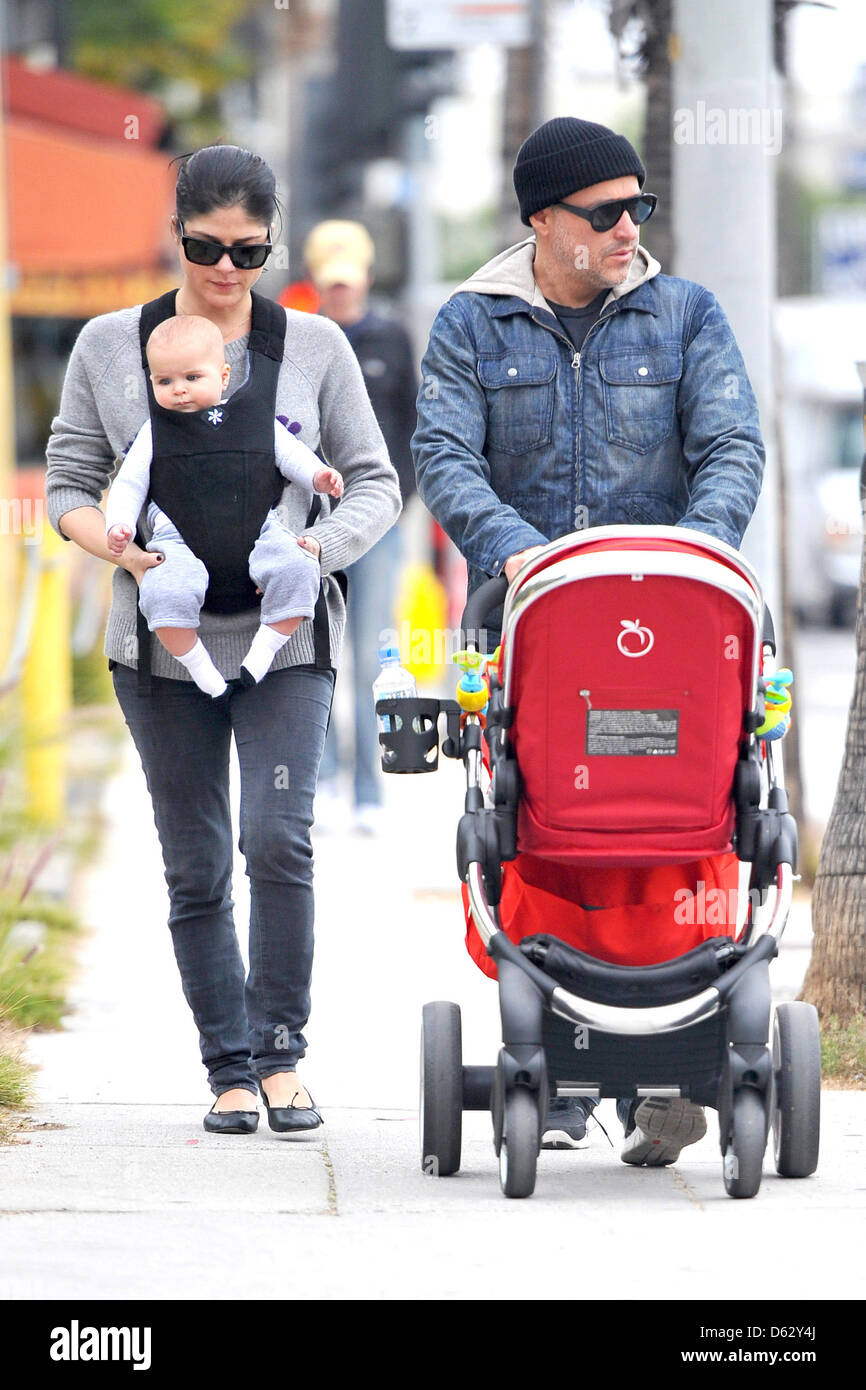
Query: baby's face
x=189 y=378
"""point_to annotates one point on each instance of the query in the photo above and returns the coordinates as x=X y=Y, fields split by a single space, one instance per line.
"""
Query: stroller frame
x=701 y=1028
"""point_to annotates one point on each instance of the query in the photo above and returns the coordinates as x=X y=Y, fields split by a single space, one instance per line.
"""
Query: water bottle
x=393 y=682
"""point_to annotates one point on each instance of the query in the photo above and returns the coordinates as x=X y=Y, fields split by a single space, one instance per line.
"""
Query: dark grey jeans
x=247 y=1029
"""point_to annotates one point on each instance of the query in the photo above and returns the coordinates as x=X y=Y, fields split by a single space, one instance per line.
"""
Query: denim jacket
x=520 y=439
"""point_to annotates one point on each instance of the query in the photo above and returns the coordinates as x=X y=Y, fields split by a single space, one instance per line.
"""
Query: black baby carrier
x=213 y=473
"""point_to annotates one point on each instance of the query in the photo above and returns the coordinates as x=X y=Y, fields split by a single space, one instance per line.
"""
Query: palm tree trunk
x=836 y=979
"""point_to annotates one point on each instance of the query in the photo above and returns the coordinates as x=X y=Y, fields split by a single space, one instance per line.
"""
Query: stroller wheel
x=441 y=1107
x=518 y=1153
x=796 y=1089
x=747 y=1139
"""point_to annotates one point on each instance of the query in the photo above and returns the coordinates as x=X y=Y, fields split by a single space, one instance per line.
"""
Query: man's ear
x=226 y=373
x=541 y=222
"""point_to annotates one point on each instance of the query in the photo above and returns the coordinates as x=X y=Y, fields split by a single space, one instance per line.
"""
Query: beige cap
x=339 y=253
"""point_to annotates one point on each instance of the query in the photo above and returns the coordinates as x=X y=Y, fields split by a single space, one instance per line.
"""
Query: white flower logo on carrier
x=215 y=417
x=634 y=640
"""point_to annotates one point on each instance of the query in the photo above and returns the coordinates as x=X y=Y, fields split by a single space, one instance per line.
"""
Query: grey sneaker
x=662 y=1127
x=566 y=1121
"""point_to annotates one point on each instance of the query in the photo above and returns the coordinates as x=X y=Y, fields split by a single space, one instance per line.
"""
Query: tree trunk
x=836 y=979
x=658 y=125
x=516 y=127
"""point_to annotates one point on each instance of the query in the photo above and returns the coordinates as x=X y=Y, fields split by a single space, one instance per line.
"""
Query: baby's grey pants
x=172 y=594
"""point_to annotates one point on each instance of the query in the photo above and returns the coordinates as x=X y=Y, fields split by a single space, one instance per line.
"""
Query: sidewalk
x=121 y=1193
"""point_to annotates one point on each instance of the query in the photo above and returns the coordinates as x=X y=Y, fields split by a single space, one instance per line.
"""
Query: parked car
x=820 y=342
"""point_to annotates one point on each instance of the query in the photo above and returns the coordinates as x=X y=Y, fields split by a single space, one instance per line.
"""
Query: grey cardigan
x=104 y=404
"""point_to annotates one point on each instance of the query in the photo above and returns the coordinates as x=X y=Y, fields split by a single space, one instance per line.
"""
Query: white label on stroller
x=632 y=732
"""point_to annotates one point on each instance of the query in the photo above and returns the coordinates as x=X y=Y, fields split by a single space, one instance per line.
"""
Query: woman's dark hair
x=221 y=176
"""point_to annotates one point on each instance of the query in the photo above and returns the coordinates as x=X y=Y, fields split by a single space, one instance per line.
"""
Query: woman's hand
x=307 y=543
x=137 y=561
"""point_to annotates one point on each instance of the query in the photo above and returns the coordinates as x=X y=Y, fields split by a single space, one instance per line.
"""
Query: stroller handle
x=491 y=594
x=487 y=596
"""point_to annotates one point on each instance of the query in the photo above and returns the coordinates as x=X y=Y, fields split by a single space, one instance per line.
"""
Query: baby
x=188 y=372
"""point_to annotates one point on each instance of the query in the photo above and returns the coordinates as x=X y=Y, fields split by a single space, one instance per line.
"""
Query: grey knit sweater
x=103 y=405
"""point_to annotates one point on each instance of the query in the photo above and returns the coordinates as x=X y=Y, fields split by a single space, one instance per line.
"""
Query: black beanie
x=566 y=154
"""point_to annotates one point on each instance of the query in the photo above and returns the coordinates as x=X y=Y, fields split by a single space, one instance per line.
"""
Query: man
x=568 y=383
x=339 y=256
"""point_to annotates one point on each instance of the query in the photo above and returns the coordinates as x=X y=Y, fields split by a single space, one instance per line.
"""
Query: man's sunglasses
x=606 y=215
x=210 y=252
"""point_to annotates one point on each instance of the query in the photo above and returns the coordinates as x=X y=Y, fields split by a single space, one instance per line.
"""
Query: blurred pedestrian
x=339 y=257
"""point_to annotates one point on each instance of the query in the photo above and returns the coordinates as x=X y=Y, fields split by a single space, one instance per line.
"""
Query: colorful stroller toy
x=622 y=771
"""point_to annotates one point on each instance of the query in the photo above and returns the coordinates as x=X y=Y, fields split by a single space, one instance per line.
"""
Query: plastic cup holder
x=409 y=734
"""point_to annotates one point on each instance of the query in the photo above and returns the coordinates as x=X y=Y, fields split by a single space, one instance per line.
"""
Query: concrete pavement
x=119 y=1193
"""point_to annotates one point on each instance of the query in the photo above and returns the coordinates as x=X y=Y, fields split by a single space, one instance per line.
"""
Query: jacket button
x=512 y=371
x=642 y=371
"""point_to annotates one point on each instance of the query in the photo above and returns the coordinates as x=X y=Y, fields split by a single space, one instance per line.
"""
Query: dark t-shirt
x=578 y=322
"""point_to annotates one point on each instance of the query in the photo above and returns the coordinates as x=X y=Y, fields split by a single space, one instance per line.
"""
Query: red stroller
x=599 y=852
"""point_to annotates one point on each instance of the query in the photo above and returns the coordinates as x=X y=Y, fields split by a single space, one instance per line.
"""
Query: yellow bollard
x=46 y=686
x=8 y=542
x=422 y=611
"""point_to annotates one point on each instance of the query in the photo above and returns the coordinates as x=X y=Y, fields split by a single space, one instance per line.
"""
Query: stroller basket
x=666 y=983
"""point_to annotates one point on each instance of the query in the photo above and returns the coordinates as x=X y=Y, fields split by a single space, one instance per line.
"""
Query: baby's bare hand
x=118 y=539
x=330 y=481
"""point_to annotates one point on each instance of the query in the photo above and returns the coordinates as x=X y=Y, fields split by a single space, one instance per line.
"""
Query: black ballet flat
x=231 y=1121
x=285 y=1119
x=223 y=701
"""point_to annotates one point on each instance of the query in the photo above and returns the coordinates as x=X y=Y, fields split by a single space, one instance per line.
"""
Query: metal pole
x=727 y=131
x=422 y=241
x=539 y=27
x=46 y=684
x=861 y=372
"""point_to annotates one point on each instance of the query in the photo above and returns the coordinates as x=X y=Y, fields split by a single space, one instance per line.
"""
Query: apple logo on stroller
x=634 y=640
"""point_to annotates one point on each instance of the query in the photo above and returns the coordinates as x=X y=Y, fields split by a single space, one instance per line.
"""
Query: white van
x=819 y=343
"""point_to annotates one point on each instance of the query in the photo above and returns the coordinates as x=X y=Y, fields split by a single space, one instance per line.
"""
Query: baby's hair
x=183 y=331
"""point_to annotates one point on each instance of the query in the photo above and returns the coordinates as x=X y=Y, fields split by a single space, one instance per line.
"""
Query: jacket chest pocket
x=640 y=395
x=520 y=389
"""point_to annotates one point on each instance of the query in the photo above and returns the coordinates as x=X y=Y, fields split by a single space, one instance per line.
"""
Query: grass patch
x=33 y=980
x=38 y=933
x=16 y=1085
x=843 y=1051
x=15 y=1080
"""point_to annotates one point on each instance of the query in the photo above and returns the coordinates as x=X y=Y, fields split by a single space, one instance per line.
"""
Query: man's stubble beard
x=568 y=254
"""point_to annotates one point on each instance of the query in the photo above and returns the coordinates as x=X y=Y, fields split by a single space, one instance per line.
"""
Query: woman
x=250 y=1031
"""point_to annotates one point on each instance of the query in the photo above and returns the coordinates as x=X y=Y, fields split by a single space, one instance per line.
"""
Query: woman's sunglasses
x=606 y=215
x=209 y=252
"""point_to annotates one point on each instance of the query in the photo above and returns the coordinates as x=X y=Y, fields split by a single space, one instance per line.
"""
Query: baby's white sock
x=200 y=666
x=263 y=649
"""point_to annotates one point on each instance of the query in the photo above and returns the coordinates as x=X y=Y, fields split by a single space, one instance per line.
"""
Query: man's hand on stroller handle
x=514 y=562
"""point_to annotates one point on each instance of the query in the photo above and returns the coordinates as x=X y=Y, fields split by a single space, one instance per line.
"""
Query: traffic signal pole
x=727 y=132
